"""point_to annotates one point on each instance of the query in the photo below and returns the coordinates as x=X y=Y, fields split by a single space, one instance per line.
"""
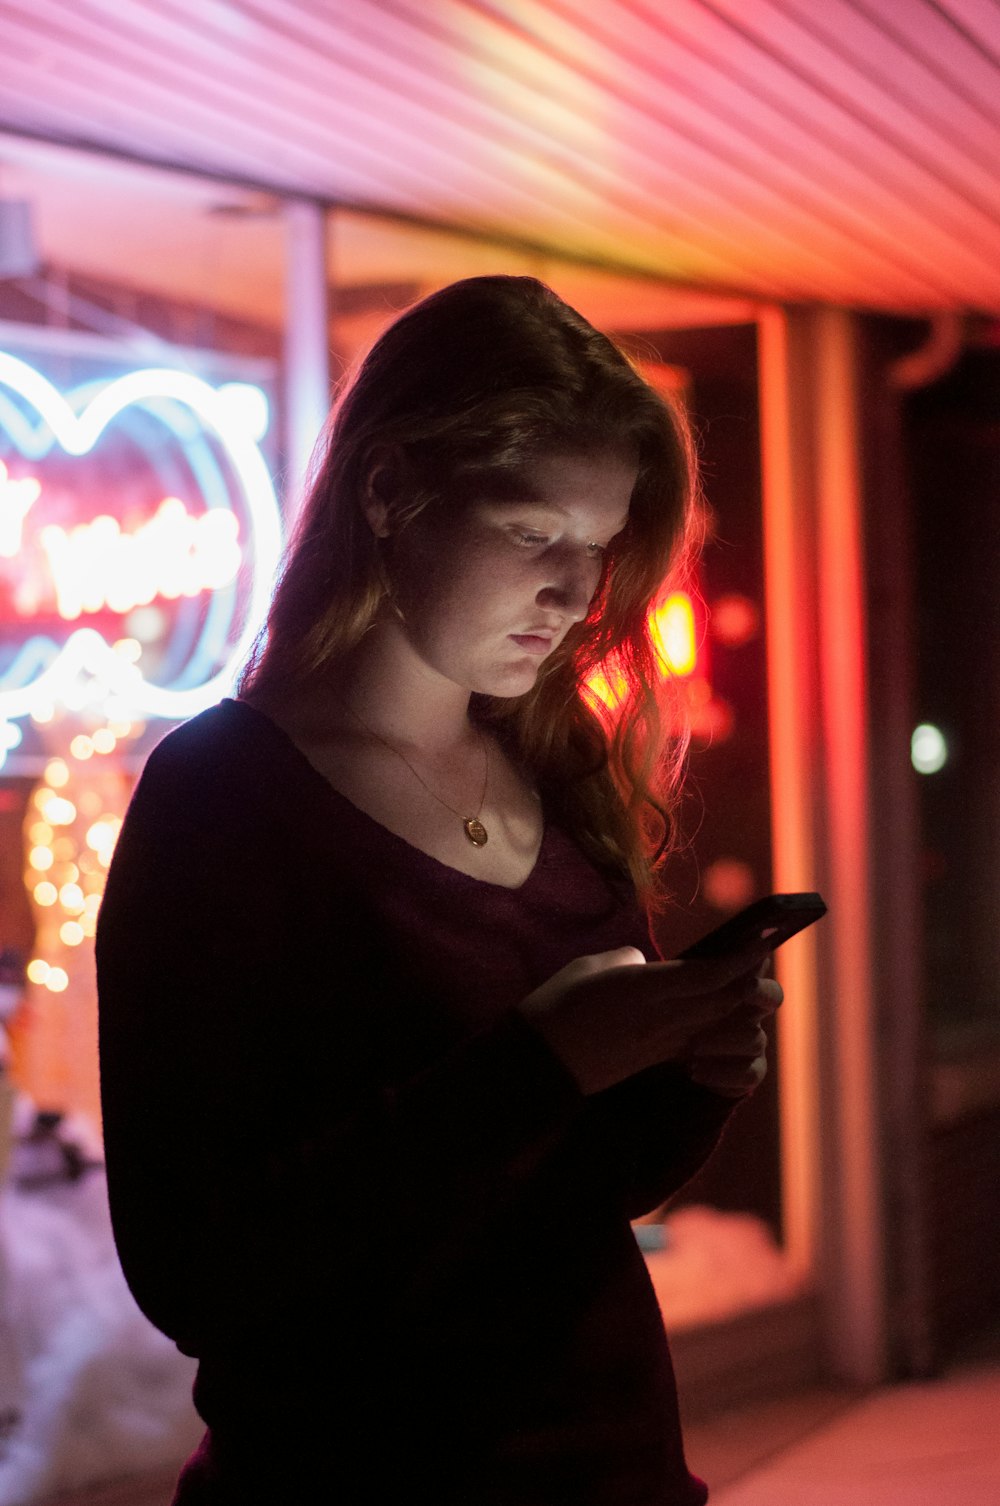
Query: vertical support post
x=833 y=1142
x=791 y=678
x=307 y=342
x=860 y=1297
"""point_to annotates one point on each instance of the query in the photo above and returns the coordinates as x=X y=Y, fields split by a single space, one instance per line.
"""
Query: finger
x=621 y=956
x=705 y=975
x=767 y=996
x=730 y=1079
x=731 y=1040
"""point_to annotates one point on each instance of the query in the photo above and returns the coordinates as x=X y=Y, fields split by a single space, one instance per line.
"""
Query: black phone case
x=771 y=920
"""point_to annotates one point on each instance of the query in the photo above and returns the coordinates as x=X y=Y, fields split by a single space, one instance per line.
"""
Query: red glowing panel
x=673 y=635
x=671 y=627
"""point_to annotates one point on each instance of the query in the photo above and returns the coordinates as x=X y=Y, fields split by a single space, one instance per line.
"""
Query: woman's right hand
x=611 y=1015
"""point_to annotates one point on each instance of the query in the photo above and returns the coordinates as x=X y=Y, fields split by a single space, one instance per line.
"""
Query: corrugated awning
x=837 y=150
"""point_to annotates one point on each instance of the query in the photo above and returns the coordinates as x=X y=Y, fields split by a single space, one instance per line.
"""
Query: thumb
x=620 y=956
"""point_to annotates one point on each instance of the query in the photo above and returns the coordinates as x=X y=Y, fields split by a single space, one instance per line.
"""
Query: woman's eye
x=596 y=551
x=530 y=538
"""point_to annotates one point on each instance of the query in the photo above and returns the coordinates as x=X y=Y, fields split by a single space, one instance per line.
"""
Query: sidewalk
x=922 y=1443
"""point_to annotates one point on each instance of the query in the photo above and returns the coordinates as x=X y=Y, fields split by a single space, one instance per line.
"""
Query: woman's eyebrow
x=540 y=504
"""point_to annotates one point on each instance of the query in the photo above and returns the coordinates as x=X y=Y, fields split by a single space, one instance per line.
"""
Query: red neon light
x=672 y=632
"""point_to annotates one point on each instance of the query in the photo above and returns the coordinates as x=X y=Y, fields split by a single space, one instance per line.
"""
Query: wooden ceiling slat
x=861 y=150
x=962 y=37
x=849 y=151
x=742 y=183
x=362 y=139
x=946 y=50
x=402 y=136
x=779 y=171
x=560 y=217
x=935 y=117
x=633 y=206
x=831 y=76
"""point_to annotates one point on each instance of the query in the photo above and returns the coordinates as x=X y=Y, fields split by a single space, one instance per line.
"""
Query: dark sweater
x=350 y=1178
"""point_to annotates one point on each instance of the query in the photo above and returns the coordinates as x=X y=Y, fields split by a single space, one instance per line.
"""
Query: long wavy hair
x=460 y=396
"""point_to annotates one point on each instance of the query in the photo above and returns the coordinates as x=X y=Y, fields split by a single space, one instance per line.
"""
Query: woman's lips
x=532 y=643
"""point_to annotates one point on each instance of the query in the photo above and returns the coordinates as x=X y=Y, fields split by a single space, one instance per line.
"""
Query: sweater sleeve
x=654 y=1132
x=258 y=1146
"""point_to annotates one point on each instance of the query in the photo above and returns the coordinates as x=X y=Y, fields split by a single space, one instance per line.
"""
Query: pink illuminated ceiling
x=841 y=150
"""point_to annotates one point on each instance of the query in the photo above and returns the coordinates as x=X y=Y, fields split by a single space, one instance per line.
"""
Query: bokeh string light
x=70 y=829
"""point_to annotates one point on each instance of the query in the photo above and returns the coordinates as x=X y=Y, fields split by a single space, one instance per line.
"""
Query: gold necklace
x=471 y=825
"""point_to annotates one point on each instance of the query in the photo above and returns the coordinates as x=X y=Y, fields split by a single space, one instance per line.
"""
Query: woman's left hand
x=731 y=1058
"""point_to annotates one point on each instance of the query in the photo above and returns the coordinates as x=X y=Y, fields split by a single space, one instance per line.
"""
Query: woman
x=386 y=1071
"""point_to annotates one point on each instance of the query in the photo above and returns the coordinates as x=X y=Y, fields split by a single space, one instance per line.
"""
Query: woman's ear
x=381 y=485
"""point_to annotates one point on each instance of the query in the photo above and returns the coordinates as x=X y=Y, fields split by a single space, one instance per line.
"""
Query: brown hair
x=466 y=389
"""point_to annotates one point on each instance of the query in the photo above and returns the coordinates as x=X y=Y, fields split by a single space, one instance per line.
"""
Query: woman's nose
x=571 y=585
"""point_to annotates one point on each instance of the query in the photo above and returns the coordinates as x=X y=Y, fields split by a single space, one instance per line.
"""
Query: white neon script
x=96 y=565
x=17 y=497
x=75 y=425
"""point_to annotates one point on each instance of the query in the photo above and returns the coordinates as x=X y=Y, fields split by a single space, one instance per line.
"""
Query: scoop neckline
x=386 y=832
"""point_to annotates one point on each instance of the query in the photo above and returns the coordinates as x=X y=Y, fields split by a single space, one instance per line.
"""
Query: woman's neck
x=391 y=692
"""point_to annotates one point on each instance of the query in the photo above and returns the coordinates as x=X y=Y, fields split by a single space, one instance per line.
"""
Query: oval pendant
x=475 y=831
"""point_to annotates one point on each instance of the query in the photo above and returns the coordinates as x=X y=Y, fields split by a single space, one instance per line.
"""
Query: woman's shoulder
x=229 y=741
x=226 y=765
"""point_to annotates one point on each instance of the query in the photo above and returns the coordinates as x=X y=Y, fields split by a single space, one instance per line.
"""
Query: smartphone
x=771 y=920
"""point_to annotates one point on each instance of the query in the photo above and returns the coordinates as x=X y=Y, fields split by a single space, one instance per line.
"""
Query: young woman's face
x=488 y=592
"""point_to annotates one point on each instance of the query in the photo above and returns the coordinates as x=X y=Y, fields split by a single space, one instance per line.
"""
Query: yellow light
x=101 y=836
x=70 y=873
x=64 y=849
x=42 y=796
x=41 y=858
x=71 y=932
x=104 y=740
x=45 y=893
x=120 y=729
x=71 y=898
x=59 y=812
x=671 y=627
x=129 y=648
x=37 y=970
x=88 y=924
x=57 y=980
x=92 y=903
x=81 y=746
x=40 y=833
x=57 y=773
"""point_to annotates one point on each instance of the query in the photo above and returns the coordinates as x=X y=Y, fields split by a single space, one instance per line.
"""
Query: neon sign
x=95 y=565
x=223 y=551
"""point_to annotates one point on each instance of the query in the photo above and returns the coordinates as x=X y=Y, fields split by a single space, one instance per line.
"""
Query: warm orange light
x=71 y=898
x=672 y=633
x=671 y=627
x=59 y=811
x=57 y=773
